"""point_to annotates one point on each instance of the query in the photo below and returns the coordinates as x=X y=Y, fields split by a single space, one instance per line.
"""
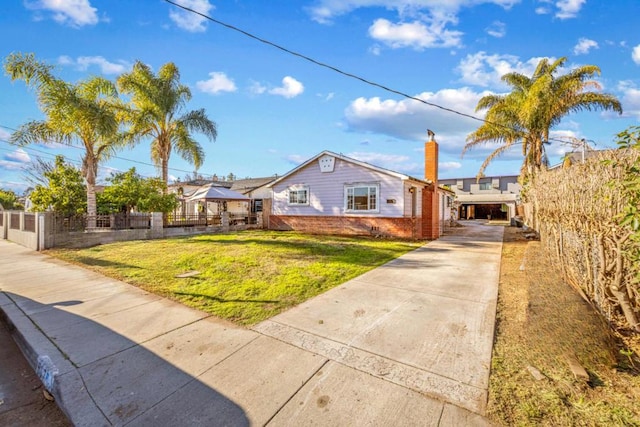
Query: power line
x=112 y=157
x=338 y=70
x=325 y=65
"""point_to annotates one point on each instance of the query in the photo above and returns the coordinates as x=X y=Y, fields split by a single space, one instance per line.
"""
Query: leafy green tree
x=128 y=191
x=9 y=200
x=534 y=106
x=157 y=111
x=65 y=191
x=75 y=113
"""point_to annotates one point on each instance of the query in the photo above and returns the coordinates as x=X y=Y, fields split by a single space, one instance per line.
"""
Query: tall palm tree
x=157 y=111
x=81 y=112
x=534 y=106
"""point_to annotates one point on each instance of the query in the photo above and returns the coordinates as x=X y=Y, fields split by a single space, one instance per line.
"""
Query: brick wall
x=405 y=228
x=430 y=213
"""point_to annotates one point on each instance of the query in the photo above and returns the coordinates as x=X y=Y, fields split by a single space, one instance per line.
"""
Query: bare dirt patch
x=543 y=326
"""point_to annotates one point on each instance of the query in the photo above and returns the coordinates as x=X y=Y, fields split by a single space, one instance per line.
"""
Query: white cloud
x=630 y=98
x=83 y=63
x=326 y=97
x=15 y=160
x=190 y=21
x=257 y=88
x=4 y=135
x=19 y=156
x=325 y=11
x=75 y=13
x=394 y=162
x=497 y=29
x=17 y=187
x=421 y=23
x=290 y=88
x=447 y=166
x=635 y=54
x=481 y=69
x=584 y=46
x=568 y=8
x=296 y=159
x=542 y=10
x=409 y=119
x=414 y=34
x=219 y=82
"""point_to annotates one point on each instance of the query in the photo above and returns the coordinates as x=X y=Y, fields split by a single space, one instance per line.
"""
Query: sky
x=274 y=110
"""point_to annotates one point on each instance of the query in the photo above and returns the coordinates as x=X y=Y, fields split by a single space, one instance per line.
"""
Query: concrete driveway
x=424 y=321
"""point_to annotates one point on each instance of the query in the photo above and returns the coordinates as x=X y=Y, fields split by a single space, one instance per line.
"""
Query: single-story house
x=335 y=194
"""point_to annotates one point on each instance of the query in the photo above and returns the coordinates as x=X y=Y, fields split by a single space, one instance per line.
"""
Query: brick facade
x=405 y=228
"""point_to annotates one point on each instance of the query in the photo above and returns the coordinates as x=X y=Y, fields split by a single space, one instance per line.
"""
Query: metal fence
x=243 y=218
x=14 y=223
x=191 y=220
x=30 y=222
x=119 y=221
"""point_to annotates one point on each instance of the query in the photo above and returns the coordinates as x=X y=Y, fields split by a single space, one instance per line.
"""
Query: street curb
x=56 y=372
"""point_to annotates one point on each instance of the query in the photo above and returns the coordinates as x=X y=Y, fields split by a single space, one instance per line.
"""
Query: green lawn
x=245 y=277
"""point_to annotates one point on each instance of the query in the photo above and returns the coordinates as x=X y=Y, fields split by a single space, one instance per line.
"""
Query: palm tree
x=534 y=106
x=81 y=112
x=157 y=103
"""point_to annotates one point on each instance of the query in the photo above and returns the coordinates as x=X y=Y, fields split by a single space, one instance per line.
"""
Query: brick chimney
x=431 y=198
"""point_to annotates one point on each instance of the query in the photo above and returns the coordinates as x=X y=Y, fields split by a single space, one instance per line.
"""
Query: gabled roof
x=244 y=185
x=349 y=160
x=215 y=192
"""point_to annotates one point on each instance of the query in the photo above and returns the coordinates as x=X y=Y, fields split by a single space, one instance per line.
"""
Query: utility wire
x=323 y=64
x=112 y=157
x=338 y=70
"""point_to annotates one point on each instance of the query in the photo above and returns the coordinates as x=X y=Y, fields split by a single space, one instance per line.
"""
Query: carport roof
x=214 y=192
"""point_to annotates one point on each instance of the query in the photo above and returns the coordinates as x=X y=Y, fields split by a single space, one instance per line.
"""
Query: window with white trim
x=361 y=198
x=299 y=195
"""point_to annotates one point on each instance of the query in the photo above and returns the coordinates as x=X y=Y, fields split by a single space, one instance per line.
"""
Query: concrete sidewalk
x=408 y=343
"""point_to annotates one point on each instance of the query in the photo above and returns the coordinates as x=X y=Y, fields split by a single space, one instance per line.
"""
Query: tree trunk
x=90 y=176
x=165 y=174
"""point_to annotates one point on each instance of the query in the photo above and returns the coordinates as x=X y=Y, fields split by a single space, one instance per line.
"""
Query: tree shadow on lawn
x=223 y=300
x=341 y=251
x=95 y=262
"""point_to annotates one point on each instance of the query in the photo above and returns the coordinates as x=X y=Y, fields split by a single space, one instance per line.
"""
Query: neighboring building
x=214 y=199
x=493 y=197
x=256 y=189
x=334 y=194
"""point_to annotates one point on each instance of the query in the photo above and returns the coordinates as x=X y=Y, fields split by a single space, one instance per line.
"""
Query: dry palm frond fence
x=577 y=212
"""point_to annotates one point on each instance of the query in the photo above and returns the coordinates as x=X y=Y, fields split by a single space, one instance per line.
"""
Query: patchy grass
x=245 y=277
x=541 y=322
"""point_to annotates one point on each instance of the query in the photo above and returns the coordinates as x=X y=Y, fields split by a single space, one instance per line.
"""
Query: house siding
x=326 y=191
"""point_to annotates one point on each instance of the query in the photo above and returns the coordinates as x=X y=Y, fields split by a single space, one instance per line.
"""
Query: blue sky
x=274 y=110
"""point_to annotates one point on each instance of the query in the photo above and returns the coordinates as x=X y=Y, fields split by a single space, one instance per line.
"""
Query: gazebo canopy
x=214 y=193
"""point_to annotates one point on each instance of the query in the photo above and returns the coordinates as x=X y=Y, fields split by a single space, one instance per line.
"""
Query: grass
x=540 y=322
x=245 y=277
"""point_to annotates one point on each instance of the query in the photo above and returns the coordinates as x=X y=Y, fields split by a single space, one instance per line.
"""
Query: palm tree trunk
x=165 y=174
x=92 y=206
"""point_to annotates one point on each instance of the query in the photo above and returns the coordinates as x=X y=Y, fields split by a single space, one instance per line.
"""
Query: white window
x=361 y=198
x=299 y=195
x=486 y=186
